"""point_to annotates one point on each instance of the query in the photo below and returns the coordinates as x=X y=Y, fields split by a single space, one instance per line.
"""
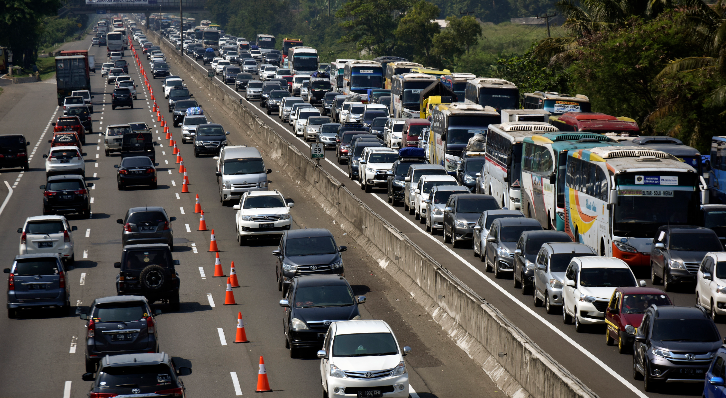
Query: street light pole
x=181 y=27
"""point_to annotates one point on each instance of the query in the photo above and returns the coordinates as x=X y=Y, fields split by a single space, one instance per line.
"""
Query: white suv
x=375 y=163
x=392 y=132
x=262 y=213
x=47 y=234
x=589 y=285
x=301 y=120
x=363 y=355
x=711 y=284
x=423 y=189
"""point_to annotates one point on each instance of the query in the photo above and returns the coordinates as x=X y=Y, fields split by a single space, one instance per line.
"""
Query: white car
x=365 y=355
x=114 y=56
x=157 y=58
x=423 y=189
x=47 y=234
x=170 y=84
x=711 y=284
x=105 y=67
x=64 y=160
x=294 y=112
x=345 y=109
x=86 y=95
x=298 y=81
x=355 y=113
x=189 y=126
x=214 y=62
x=392 y=132
x=219 y=67
x=374 y=165
x=589 y=285
x=301 y=121
x=280 y=72
x=262 y=213
x=256 y=54
x=267 y=71
x=113 y=137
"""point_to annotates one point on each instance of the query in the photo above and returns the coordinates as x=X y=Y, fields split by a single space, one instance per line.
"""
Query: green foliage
x=419 y=31
x=21 y=25
x=370 y=24
x=530 y=73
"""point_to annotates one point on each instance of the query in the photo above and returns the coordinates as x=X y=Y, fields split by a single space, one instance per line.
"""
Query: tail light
x=150 y=327
x=62 y=280
x=23 y=238
x=122 y=171
x=49 y=193
x=149 y=170
x=11 y=282
x=66 y=237
x=127 y=227
x=102 y=395
x=166 y=225
x=174 y=392
x=91 y=328
x=80 y=192
x=22 y=155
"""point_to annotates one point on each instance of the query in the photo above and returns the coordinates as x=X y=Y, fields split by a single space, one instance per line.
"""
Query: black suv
x=317 y=89
x=148 y=270
x=311 y=304
x=122 y=97
x=160 y=69
x=273 y=101
x=130 y=374
x=138 y=143
x=119 y=325
x=677 y=253
x=209 y=138
x=66 y=193
x=230 y=73
x=180 y=110
x=14 y=151
x=240 y=81
x=399 y=170
x=178 y=94
x=267 y=87
x=525 y=254
x=674 y=344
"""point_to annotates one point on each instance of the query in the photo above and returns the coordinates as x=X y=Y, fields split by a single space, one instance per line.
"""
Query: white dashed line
x=172 y=181
x=181 y=209
x=96 y=165
x=235 y=383
x=201 y=272
x=83 y=279
x=194 y=248
x=96 y=156
x=85 y=254
x=177 y=195
x=67 y=390
x=169 y=171
x=94 y=176
x=163 y=152
x=211 y=300
x=221 y=336
x=188 y=229
x=92 y=199
x=88 y=231
x=74 y=343
x=166 y=161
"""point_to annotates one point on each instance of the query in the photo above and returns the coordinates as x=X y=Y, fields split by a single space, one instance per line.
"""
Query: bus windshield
x=499 y=98
x=305 y=62
x=365 y=81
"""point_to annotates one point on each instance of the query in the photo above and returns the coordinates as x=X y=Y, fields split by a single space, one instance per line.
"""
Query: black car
x=136 y=170
x=356 y=152
x=122 y=97
x=230 y=73
x=149 y=374
x=208 y=57
x=377 y=125
x=371 y=115
x=461 y=213
x=14 y=151
x=304 y=252
x=273 y=58
x=148 y=270
x=467 y=171
x=138 y=143
x=66 y=193
x=180 y=110
x=399 y=169
x=525 y=254
x=240 y=81
x=328 y=101
x=84 y=114
x=121 y=63
x=273 y=101
x=178 y=94
x=267 y=88
x=678 y=251
x=311 y=304
x=674 y=344
x=209 y=138
x=119 y=325
x=343 y=149
x=317 y=89
x=160 y=69
x=501 y=242
x=199 y=53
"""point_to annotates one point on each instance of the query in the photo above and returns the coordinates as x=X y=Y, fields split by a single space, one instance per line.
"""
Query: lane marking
x=172 y=181
x=88 y=232
x=194 y=248
x=211 y=300
x=78 y=307
x=96 y=165
x=83 y=279
x=166 y=161
x=92 y=198
x=74 y=343
x=235 y=383
x=96 y=156
x=7 y=198
x=67 y=390
x=94 y=176
x=221 y=336
x=85 y=254
x=177 y=195
x=201 y=273
x=181 y=209
x=169 y=171
x=187 y=225
x=411 y=392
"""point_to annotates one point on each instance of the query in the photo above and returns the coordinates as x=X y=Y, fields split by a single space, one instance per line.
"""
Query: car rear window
x=44 y=227
x=63 y=185
x=136 y=162
x=511 y=233
x=66 y=139
x=141 y=259
x=122 y=91
x=560 y=261
x=139 y=376
x=67 y=122
x=535 y=243
x=64 y=154
x=146 y=216
x=477 y=206
x=36 y=266
x=113 y=131
x=120 y=312
x=138 y=126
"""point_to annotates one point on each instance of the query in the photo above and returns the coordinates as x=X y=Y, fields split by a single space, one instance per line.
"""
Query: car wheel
x=12 y=313
x=649 y=385
x=279 y=283
x=428 y=226
x=389 y=200
x=106 y=151
x=113 y=107
x=636 y=374
x=293 y=352
x=497 y=273
x=154 y=185
x=622 y=349
x=446 y=237
x=196 y=154
x=405 y=205
x=174 y=301
x=120 y=186
x=608 y=339
x=653 y=277
x=482 y=255
x=26 y=167
x=579 y=327
x=287 y=342
x=71 y=260
x=716 y=318
x=667 y=283
x=536 y=301
x=487 y=265
x=547 y=304
x=566 y=318
x=90 y=366
x=517 y=283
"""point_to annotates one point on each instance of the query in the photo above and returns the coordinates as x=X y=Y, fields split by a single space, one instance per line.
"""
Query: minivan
x=14 y=151
x=240 y=169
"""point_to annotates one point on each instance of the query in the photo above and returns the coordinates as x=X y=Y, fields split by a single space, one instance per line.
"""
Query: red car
x=412 y=131
x=70 y=123
x=625 y=312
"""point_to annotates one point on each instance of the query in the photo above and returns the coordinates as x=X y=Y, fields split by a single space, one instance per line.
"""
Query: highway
x=43 y=353
x=586 y=355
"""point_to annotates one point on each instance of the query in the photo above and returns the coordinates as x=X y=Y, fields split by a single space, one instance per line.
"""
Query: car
x=262 y=213
x=312 y=303
x=711 y=284
x=209 y=138
x=87 y=97
x=215 y=61
x=70 y=123
x=467 y=171
x=327 y=101
x=219 y=66
x=294 y=112
x=149 y=270
x=436 y=203
x=377 y=125
x=337 y=106
x=549 y=275
x=72 y=100
x=112 y=74
x=83 y=112
x=588 y=286
x=254 y=90
x=64 y=160
x=159 y=69
x=136 y=170
x=241 y=80
x=624 y=314
x=286 y=107
x=240 y=169
x=232 y=57
x=714 y=385
x=304 y=252
x=313 y=126
x=482 y=226
x=249 y=66
x=189 y=126
x=180 y=110
x=399 y=170
x=423 y=189
x=342 y=115
x=415 y=171
x=95 y=41
x=356 y=153
x=677 y=252
x=268 y=87
x=121 y=63
x=267 y=71
x=280 y=72
x=273 y=101
x=501 y=242
x=317 y=88
x=674 y=344
x=230 y=73
x=328 y=135
x=145 y=374
x=14 y=149
x=298 y=81
x=105 y=68
x=121 y=97
x=129 y=84
x=301 y=119
x=66 y=193
x=363 y=356
x=392 y=132
x=146 y=225
x=47 y=234
x=37 y=281
x=118 y=325
x=355 y=113
x=114 y=55
x=113 y=140
x=256 y=54
x=178 y=94
x=65 y=138
x=525 y=255
x=172 y=83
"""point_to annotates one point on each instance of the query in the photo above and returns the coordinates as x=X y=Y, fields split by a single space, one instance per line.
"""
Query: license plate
x=138 y=171
x=122 y=337
x=65 y=161
x=691 y=371
x=45 y=244
x=369 y=393
x=37 y=287
x=67 y=197
x=266 y=226
x=147 y=228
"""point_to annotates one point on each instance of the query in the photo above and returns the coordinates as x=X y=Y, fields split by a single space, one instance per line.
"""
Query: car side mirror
x=641 y=283
x=706 y=275
x=45 y=156
x=83 y=154
x=407 y=179
x=427 y=201
x=715 y=380
x=42 y=187
x=6 y=271
x=448 y=209
x=492 y=239
x=570 y=283
x=89 y=185
x=116 y=166
x=236 y=207
x=88 y=377
x=119 y=221
x=50 y=141
x=184 y=371
x=518 y=252
x=117 y=265
x=542 y=267
x=276 y=252
x=477 y=228
x=175 y=262
x=27 y=143
x=52 y=124
x=342 y=248
x=156 y=164
x=218 y=174
x=406 y=350
x=659 y=246
x=322 y=354
x=20 y=230
x=269 y=171
x=74 y=228
x=478 y=174
x=157 y=312
x=285 y=303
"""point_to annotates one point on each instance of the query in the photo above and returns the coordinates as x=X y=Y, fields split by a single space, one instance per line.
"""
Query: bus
x=544 y=163
x=361 y=75
x=198 y=32
x=265 y=42
x=431 y=71
x=497 y=93
x=717 y=170
x=386 y=59
x=118 y=23
x=502 y=173
x=673 y=146
x=210 y=38
x=205 y=22
x=451 y=128
x=556 y=103
x=288 y=43
x=303 y=60
x=617 y=128
x=398 y=68
x=456 y=82
x=406 y=93
x=115 y=42
x=617 y=197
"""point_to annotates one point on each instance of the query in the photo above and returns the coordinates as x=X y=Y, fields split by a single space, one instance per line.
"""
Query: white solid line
x=74 y=343
x=88 y=232
x=235 y=383
x=411 y=392
x=221 y=336
x=211 y=300
x=83 y=278
x=67 y=390
x=7 y=198
x=181 y=209
x=187 y=225
x=201 y=273
x=92 y=198
x=85 y=254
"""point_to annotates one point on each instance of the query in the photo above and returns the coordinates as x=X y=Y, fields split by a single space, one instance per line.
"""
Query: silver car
x=64 y=160
x=481 y=228
x=436 y=203
x=189 y=126
x=254 y=90
x=249 y=66
x=286 y=107
x=113 y=137
x=549 y=274
x=143 y=225
x=39 y=280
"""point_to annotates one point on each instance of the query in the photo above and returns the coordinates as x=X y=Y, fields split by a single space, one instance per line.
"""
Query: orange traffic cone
x=229 y=296
x=168 y=134
x=166 y=129
x=181 y=166
x=175 y=150
x=178 y=158
x=186 y=179
x=163 y=122
x=241 y=335
x=185 y=188
x=263 y=385
x=213 y=244
x=203 y=224
x=233 y=276
x=197 y=206
x=158 y=116
x=218 y=267
x=152 y=94
x=154 y=108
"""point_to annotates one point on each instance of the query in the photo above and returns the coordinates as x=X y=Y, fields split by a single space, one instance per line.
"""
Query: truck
x=72 y=74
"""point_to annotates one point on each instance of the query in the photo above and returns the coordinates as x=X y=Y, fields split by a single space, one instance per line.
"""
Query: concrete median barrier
x=515 y=363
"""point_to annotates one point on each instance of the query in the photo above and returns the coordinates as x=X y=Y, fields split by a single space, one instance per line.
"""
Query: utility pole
x=547 y=17
x=181 y=28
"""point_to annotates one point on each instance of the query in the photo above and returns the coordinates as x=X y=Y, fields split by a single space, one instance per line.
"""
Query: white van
x=240 y=169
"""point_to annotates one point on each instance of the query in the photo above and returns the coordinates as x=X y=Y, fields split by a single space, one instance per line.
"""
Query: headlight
x=661 y=352
x=556 y=283
x=624 y=247
x=246 y=218
x=336 y=372
x=337 y=264
x=529 y=264
x=262 y=184
x=370 y=170
x=468 y=179
x=676 y=264
x=198 y=143
x=720 y=289
x=503 y=251
x=400 y=369
x=288 y=267
x=461 y=223
x=227 y=185
x=297 y=325
x=588 y=299
x=631 y=330
x=437 y=211
x=284 y=216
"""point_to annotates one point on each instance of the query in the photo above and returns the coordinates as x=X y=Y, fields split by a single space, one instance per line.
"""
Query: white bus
x=115 y=42
x=502 y=172
x=618 y=196
x=303 y=60
x=406 y=93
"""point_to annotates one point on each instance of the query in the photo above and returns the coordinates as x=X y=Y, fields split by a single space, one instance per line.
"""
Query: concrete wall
x=516 y=364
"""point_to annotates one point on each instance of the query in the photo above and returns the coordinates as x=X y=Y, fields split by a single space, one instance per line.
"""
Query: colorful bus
x=673 y=146
x=361 y=75
x=556 y=103
x=406 y=93
x=398 y=68
x=265 y=42
x=497 y=93
x=717 y=170
x=544 y=163
x=456 y=82
x=288 y=43
x=502 y=173
x=616 y=198
x=618 y=128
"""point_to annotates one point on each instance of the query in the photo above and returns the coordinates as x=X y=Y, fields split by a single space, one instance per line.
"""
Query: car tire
x=26 y=167
x=536 y=300
x=482 y=255
x=196 y=154
x=549 y=308
x=654 y=279
x=154 y=185
x=152 y=271
x=428 y=226
x=636 y=374
x=497 y=273
x=367 y=188
x=71 y=260
x=714 y=316
x=487 y=265
x=294 y=352
x=90 y=366
x=106 y=151
x=566 y=318
x=86 y=213
x=622 y=348
x=12 y=313
x=609 y=340
x=174 y=301
x=667 y=283
x=649 y=385
x=446 y=237
x=120 y=186
x=579 y=327
x=279 y=283
x=113 y=107
x=517 y=284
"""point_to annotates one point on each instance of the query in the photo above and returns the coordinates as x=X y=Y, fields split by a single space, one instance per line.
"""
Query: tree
x=456 y=39
x=466 y=29
x=530 y=73
x=21 y=26
x=370 y=24
x=418 y=29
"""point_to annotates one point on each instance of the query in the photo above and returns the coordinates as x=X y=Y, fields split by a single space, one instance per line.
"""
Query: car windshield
x=154 y=217
x=174 y=83
x=141 y=161
x=121 y=91
x=137 y=376
x=607 y=277
x=321 y=85
x=120 y=312
x=305 y=115
x=310 y=246
x=36 y=266
x=289 y=103
x=64 y=185
x=382 y=157
x=316 y=121
x=684 y=330
x=244 y=166
x=638 y=303
x=194 y=121
x=44 y=227
x=560 y=261
x=398 y=127
x=441 y=197
x=254 y=85
x=143 y=258
x=277 y=94
x=474 y=165
x=511 y=233
x=429 y=185
x=263 y=202
x=492 y=217
x=330 y=129
x=323 y=296
x=364 y=344
x=282 y=72
x=477 y=205
x=205 y=131
x=244 y=76
x=250 y=62
x=113 y=131
x=184 y=105
x=358 y=150
x=695 y=242
x=179 y=92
